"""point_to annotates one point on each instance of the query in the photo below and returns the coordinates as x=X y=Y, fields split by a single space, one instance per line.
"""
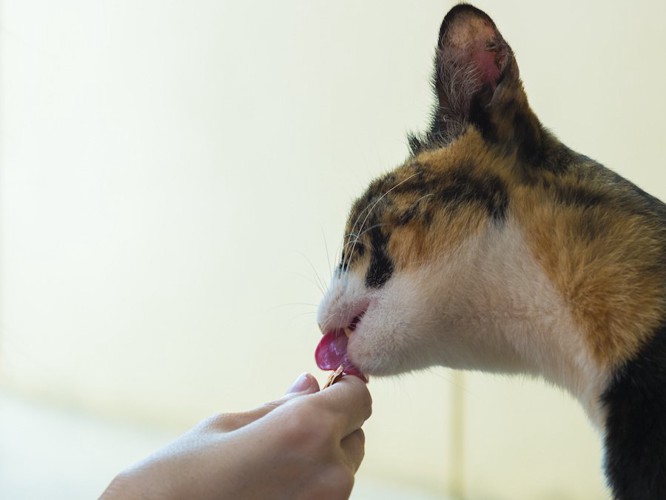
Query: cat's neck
x=513 y=301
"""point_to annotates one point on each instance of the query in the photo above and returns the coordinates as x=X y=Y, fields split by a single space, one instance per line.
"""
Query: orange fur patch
x=605 y=259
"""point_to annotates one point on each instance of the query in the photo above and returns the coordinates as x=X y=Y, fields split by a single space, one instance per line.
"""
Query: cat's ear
x=472 y=57
x=473 y=64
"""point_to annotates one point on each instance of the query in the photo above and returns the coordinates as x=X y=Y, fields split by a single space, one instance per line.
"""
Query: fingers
x=353 y=449
x=227 y=422
x=350 y=398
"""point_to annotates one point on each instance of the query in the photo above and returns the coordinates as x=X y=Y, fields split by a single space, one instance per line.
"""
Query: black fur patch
x=453 y=189
x=354 y=249
x=579 y=196
x=410 y=214
x=527 y=138
x=635 y=439
x=381 y=266
x=489 y=191
x=480 y=116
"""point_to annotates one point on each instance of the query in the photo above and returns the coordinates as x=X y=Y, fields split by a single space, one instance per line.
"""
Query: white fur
x=487 y=305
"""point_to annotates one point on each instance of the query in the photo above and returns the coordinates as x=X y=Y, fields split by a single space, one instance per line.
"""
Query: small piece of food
x=334 y=377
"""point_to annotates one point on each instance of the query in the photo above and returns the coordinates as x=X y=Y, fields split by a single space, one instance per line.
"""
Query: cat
x=495 y=247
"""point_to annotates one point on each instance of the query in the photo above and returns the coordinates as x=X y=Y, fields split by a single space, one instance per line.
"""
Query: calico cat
x=496 y=247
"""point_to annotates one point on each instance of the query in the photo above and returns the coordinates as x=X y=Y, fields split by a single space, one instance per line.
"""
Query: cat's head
x=415 y=237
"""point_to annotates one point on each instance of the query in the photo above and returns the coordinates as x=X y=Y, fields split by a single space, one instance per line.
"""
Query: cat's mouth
x=331 y=352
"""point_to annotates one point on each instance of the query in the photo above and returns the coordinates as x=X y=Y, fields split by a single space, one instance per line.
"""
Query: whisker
x=328 y=257
x=369 y=209
x=327 y=318
x=423 y=197
x=300 y=315
x=294 y=304
x=316 y=283
x=322 y=285
x=381 y=224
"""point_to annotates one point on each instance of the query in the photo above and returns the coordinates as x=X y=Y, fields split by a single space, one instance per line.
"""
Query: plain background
x=174 y=181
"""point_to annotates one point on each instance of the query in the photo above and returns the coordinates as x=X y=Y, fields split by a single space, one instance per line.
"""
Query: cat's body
x=496 y=247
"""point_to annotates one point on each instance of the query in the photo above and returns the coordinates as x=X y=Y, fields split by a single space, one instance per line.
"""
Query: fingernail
x=300 y=384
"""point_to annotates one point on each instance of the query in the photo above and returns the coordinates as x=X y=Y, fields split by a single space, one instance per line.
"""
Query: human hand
x=306 y=445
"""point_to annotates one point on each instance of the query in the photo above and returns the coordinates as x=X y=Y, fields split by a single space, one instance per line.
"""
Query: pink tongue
x=332 y=352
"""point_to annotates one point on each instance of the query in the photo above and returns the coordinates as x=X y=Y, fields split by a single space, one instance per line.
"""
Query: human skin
x=306 y=445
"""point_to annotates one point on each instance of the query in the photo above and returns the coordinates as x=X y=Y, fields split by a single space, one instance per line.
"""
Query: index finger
x=349 y=397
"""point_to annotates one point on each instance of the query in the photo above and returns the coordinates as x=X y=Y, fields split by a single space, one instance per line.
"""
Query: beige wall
x=174 y=176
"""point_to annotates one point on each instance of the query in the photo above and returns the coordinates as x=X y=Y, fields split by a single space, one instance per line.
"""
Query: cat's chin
x=379 y=370
x=384 y=368
x=376 y=355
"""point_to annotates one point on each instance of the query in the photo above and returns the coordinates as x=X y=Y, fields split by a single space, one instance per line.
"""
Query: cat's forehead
x=429 y=183
x=389 y=190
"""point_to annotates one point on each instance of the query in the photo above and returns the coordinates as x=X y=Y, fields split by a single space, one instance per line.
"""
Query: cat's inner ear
x=471 y=60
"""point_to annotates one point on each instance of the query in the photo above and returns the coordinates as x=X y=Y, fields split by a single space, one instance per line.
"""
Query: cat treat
x=334 y=376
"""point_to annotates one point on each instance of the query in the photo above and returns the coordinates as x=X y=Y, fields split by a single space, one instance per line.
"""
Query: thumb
x=304 y=383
